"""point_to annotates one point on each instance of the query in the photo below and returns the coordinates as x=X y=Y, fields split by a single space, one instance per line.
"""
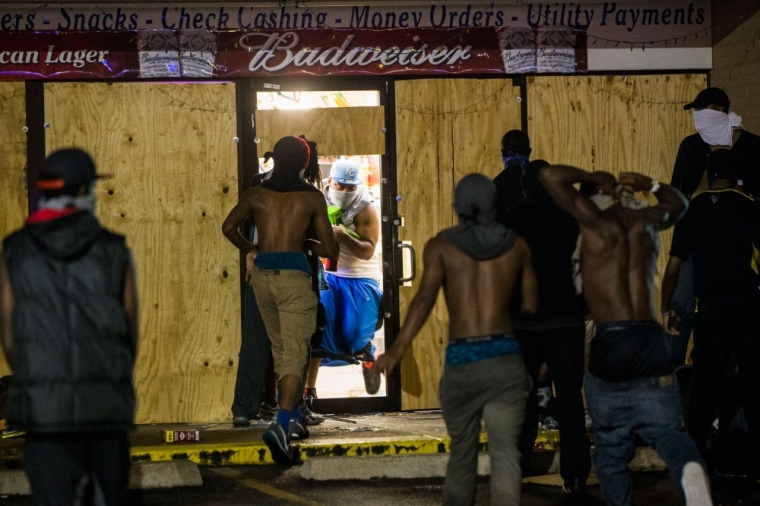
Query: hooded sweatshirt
x=74 y=358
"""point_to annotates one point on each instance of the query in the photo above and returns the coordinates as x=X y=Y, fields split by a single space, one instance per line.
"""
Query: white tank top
x=350 y=266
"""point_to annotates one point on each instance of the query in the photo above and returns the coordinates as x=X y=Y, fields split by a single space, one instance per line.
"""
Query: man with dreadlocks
x=282 y=208
x=479 y=263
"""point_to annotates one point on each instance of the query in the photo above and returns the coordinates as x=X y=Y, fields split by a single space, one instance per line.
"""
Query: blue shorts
x=351 y=313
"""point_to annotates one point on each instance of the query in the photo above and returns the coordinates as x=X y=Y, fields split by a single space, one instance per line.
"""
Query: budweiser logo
x=278 y=51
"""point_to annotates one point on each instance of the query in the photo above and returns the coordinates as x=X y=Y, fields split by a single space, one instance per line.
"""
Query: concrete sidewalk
x=221 y=444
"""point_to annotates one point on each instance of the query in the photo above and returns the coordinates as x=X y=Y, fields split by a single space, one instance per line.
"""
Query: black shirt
x=691 y=163
x=720 y=230
x=552 y=235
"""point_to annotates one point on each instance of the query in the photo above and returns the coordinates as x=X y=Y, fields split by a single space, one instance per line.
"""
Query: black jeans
x=721 y=331
x=90 y=466
x=563 y=352
x=252 y=360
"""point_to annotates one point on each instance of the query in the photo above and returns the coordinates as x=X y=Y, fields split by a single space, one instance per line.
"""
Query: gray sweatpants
x=495 y=390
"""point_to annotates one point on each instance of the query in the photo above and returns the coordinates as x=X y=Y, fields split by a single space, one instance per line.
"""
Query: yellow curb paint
x=263 y=487
x=275 y=492
x=219 y=454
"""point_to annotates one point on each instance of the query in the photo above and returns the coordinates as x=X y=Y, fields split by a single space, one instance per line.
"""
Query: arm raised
x=671 y=202
x=558 y=180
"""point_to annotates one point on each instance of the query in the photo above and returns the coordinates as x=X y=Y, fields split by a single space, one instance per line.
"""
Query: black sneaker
x=240 y=421
x=277 y=442
x=266 y=412
x=371 y=378
x=297 y=430
x=574 y=487
x=309 y=416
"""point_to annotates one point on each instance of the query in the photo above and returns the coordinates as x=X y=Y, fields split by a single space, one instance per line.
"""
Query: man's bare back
x=477 y=293
x=619 y=246
x=282 y=220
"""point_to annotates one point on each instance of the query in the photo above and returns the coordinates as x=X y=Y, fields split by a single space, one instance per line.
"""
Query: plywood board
x=14 y=206
x=171 y=151
x=445 y=129
x=613 y=123
x=336 y=130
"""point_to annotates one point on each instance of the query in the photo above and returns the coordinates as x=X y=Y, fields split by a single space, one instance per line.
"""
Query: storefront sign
x=218 y=41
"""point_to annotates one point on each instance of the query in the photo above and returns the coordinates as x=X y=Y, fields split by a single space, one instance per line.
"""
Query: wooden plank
x=445 y=128
x=13 y=192
x=614 y=123
x=337 y=130
x=171 y=151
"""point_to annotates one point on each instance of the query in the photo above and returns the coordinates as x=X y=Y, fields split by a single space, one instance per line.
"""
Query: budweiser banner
x=217 y=41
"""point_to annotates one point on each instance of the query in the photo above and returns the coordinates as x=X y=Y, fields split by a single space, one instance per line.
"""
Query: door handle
x=413 y=274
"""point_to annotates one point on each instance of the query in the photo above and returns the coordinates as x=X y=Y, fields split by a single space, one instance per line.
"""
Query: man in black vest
x=68 y=327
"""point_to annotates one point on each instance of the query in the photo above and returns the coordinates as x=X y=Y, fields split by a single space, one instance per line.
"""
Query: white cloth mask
x=715 y=127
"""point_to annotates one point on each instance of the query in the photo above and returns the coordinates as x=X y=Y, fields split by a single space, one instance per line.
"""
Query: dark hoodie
x=74 y=363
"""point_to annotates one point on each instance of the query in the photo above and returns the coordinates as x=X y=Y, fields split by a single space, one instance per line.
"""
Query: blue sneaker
x=277 y=442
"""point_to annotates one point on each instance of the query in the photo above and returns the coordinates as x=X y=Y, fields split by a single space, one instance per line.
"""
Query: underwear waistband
x=285 y=261
x=475 y=349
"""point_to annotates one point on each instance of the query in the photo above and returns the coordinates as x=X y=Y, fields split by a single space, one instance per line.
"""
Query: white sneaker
x=695 y=485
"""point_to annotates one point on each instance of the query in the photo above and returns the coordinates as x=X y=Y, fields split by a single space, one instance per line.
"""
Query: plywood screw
x=205 y=364
x=235 y=140
x=230 y=363
x=110 y=192
x=25 y=129
x=203 y=213
x=130 y=139
x=519 y=99
x=46 y=125
x=383 y=130
x=256 y=140
x=225 y=190
x=224 y=273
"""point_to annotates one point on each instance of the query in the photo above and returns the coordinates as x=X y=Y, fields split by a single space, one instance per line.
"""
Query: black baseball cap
x=67 y=169
x=707 y=97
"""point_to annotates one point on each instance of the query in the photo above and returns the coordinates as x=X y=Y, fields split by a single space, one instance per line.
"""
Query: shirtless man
x=479 y=264
x=629 y=385
x=282 y=208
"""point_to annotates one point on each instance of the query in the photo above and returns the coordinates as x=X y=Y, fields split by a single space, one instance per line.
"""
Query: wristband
x=655 y=186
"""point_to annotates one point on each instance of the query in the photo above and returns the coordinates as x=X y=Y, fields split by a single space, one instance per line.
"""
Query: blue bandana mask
x=521 y=160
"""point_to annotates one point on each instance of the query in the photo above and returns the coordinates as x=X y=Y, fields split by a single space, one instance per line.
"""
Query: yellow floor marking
x=262 y=487
x=275 y=492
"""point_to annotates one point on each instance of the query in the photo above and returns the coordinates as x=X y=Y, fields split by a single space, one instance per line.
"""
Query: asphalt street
x=269 y=485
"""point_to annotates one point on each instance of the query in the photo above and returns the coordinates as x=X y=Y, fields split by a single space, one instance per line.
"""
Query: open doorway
x=348 y=127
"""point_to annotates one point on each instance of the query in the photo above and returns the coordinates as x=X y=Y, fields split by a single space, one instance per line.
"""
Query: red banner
x=317 y=52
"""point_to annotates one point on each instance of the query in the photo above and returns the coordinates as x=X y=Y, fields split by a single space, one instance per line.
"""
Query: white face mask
x=81 y=202
x=342 y=199
x=715 y=127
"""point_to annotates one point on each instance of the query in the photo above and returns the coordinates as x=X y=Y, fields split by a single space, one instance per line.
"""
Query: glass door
x=346 y=118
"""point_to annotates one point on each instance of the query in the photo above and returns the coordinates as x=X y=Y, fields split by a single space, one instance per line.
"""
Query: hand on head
x=605 y=181
x=635 y=181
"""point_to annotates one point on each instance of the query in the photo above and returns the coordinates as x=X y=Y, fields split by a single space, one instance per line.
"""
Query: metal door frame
x=248 y=159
